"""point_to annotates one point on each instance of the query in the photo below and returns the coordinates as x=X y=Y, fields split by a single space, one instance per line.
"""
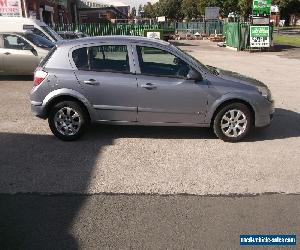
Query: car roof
x=95 y=39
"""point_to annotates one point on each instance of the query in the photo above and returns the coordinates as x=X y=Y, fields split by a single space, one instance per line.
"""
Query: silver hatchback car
x=140 y=81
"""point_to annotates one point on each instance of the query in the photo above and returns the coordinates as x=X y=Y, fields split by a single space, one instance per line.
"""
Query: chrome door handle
x=91 y=82
x=149 y=86
x=7 y=53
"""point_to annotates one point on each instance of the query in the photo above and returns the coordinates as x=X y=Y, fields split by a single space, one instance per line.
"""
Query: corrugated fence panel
x=101 y=29
x=207 y=27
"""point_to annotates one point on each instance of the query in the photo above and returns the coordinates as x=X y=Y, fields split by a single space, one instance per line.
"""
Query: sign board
x=10 y=8
x=261 y=20
x=161 y=19
x=153 y=34
x=259 y=36
x=212 y=13
x=261 y=7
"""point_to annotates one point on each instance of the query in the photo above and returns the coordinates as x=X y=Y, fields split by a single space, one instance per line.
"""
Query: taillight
x=39 y=77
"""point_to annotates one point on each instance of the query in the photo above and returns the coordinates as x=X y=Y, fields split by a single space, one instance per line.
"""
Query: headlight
x=265 y=92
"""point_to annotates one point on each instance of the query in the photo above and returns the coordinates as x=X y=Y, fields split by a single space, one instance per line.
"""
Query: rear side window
x=14 y=42
x=47 y=57
x=107 y=58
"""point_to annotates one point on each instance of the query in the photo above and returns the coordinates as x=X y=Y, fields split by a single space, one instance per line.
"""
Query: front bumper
x=264 y=117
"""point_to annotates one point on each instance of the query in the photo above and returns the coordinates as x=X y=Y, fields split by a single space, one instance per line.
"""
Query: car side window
x=158 y=62
x=80 y=58
x=108 y=58
x=14 y=42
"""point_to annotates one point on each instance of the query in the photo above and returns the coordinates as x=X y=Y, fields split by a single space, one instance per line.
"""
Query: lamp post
x=25 y=8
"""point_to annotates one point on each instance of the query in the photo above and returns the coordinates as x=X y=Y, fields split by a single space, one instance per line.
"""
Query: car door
x=165 y=95
x=105 y=72
x=17 y=55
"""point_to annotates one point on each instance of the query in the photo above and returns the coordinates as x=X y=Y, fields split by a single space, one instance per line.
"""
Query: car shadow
x=32 y=162
x=17 y=78
x=153 y=132
x=286 y=124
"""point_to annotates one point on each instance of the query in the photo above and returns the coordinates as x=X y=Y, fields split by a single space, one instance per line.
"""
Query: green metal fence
x=207 y=27
x=102 y=29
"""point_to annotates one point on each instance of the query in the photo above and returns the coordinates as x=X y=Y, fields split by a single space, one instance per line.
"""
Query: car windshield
x=51 y=33
x=39 y=41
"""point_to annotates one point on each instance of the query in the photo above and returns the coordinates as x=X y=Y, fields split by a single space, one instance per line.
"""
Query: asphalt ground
x=149 y=187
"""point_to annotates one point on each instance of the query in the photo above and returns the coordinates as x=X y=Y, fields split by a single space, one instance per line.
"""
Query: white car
x=20 y=53
x=21 y=24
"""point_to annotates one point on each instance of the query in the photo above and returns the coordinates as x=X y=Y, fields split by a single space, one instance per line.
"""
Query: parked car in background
x=20 y=53
x=141 y=81
x=21 y=24
x=71 y=34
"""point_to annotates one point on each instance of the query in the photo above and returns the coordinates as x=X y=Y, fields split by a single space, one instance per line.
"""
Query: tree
x=149 y=11
x=189 y=9
x=171 y=9
x=288 y=7
x=245 y=8
x=133 y=12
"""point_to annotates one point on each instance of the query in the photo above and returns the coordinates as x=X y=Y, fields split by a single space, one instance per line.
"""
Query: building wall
x=52 y=13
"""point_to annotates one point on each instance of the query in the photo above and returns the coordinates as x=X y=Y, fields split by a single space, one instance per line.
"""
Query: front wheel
x=67 y=121
x=233 y=122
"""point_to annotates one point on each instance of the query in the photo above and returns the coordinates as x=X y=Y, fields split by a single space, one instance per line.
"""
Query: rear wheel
x=233 y=122
x=67 y=121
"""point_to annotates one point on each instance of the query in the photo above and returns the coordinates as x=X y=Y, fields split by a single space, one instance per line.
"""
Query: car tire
x=233 y=122
x=67 y=120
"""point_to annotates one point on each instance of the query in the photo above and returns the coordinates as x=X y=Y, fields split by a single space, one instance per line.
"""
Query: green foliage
x=245 y=7
x=149 y=10
x=190 y=9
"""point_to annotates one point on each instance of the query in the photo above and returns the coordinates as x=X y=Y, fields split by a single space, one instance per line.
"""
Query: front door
x=105 y=74
x=164 y=93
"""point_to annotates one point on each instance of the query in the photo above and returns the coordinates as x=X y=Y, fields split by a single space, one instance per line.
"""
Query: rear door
x=16 y=58
x=106 y=74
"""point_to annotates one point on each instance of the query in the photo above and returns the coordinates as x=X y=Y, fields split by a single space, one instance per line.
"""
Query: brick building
x=52 y=11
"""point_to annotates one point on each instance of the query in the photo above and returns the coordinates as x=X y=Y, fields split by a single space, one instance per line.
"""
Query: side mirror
x=194 y=75
x=27 y=47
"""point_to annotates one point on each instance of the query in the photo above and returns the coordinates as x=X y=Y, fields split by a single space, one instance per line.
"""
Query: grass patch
x=287 y=40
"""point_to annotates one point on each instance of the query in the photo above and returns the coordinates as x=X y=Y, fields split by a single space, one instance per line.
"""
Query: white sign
x=10 y=8
x=161 y=19
x=153 y=34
